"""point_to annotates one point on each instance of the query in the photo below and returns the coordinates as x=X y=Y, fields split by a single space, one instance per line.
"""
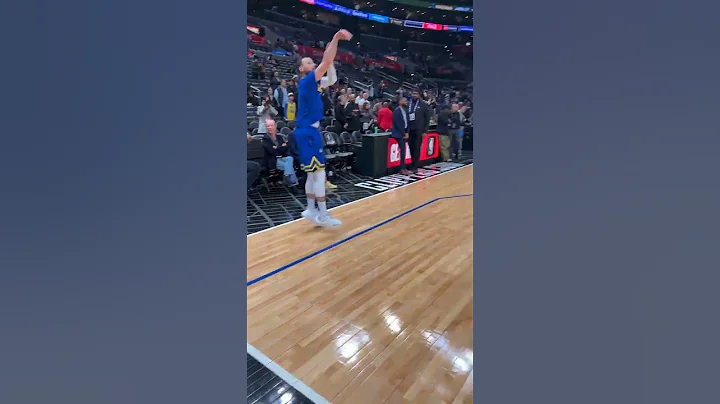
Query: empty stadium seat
x=344 y=150
x=348 y=139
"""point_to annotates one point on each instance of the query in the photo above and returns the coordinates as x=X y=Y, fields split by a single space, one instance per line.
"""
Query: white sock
x=319 y=188
x=309 y=190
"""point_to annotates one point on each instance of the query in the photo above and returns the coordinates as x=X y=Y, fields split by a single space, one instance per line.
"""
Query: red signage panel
x=430 y=149
x=394 y=154
x=433 y=27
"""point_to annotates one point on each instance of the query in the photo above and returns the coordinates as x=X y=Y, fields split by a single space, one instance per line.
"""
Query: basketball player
x=307 y=132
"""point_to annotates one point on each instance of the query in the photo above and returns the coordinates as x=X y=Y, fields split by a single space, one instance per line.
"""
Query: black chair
x=280 y=124
x=285 y=130
x=256 y=153
x=291 y=124
x=254 y=132
x=349 y=141
x=254 y=124
x=329 y=147
x=345 y=151
x=334 y=147
x=357 y=136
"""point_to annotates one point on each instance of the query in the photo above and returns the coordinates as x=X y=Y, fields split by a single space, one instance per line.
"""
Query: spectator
x=419 y=116
x=281 y=95
x=290 y=108
x=340 y=111
x=261 y=70
x=362 y=99
x=293 y=88
x=252 y=98
x=276 y=155
x=365 y=110
x=376 y=108
x=385 y=118
x=274 y=102
x=399 y=132
x=443 y=129
x=265 y=111
x=256 y=69
x=275 y=80
x=455 y=128
x=352 y=115
x=380 y=89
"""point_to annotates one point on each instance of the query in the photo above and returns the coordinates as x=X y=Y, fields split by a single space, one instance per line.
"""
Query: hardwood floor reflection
x=385 y=317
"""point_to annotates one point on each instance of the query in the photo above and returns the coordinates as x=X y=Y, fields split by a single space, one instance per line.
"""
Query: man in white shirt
x=361 y=99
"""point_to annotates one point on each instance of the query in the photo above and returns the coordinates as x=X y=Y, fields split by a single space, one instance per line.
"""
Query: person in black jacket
x=276 y=154
x=399 y=131
x=455 y=125
x=340 y=112
x=443 y=129
x=352 y=116
x=419 y=115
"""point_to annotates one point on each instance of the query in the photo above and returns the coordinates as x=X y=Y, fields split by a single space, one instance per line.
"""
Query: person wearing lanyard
x=417 y=113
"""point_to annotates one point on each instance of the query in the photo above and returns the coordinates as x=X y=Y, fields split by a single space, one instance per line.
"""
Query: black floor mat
x=265 y=387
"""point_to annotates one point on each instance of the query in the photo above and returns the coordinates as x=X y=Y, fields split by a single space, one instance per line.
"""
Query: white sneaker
x=310 y=214
x=326 y=221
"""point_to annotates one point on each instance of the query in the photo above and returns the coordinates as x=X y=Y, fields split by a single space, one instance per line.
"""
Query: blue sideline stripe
x=345 y=240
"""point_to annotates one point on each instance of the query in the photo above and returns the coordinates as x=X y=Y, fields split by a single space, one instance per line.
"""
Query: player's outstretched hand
x=344 y=35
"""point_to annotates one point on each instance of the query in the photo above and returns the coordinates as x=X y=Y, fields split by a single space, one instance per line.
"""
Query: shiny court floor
x=379 y=311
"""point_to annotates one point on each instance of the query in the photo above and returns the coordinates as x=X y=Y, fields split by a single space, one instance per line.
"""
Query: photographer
x=265 y=111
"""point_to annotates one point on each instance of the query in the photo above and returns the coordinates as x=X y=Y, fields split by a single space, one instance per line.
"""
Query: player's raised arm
x=330 y=53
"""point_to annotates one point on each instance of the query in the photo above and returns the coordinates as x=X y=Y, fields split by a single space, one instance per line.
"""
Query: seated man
x=276 y=154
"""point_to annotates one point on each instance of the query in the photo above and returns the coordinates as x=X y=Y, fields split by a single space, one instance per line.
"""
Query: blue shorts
x=310 y=149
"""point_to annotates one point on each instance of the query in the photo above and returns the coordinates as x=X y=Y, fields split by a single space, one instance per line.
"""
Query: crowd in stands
x=347 y=111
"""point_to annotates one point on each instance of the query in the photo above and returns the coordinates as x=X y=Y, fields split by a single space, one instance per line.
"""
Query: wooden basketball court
x=378 y=311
